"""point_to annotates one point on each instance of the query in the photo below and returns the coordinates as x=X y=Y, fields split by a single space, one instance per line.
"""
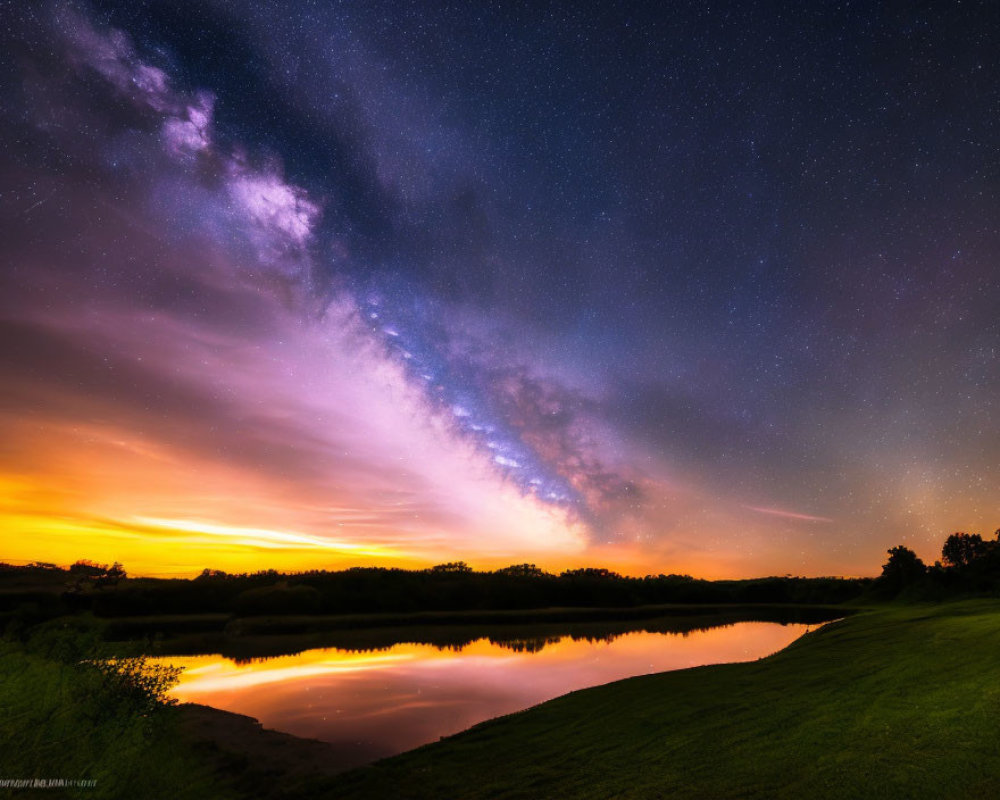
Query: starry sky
x=707 y=289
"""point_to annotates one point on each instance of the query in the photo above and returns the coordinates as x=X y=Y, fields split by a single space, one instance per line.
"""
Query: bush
x=137 y=685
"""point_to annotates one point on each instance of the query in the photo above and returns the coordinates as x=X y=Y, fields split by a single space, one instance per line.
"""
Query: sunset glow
x=340 y=335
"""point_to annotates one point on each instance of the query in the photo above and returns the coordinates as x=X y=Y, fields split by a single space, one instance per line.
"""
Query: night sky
x=665 y=288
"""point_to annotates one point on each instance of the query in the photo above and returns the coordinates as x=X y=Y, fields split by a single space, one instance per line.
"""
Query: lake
x=376 y=703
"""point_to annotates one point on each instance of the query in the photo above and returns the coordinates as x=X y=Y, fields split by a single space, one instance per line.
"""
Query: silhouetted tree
x=591 y=572
x=89 y=573
x=452 y=566
x=449 y=587
x=903 y=568
x=87 y=568
x=961 y=549
x=523 y=571
x=111 y=576
x=208 y=574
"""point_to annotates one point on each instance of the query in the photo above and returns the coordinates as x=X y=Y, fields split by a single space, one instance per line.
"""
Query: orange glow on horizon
x=94 y=492
x=182 y=549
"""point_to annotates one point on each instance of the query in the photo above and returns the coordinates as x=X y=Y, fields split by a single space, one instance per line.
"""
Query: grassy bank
x=902 y=702
x=899 y=702
x=60 y=720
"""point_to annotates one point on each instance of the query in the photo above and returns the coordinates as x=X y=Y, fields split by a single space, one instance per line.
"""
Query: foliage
x=88 y=568
x=279 y=599
x=209 y=574
x=452 y=567
x=971 y=566
x=86 y=574
x=64 y=718
x=138 y=683
x=42 y=594
x=598 y=573
x=32 y=594
x=68 y=640
x=903 y=567
x=961 y=549
x=523 y=571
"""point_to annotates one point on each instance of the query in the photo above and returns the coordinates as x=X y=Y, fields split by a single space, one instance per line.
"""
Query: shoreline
x=887 y=704
x=239 y=740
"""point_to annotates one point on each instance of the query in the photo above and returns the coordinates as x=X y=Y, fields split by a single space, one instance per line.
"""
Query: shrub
x=138 y=685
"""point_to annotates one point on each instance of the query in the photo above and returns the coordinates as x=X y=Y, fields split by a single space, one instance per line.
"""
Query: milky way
x=706 y=290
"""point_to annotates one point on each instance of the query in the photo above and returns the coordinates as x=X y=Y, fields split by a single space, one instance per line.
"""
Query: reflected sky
x=377 y=703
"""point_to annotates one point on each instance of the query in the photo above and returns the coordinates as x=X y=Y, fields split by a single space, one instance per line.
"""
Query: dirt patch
x=271 y=761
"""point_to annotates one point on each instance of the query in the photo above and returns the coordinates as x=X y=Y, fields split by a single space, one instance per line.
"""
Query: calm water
x=377 y=703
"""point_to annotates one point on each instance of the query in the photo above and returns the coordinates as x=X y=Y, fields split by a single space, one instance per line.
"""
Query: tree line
x=969 y=564
x=107 y=591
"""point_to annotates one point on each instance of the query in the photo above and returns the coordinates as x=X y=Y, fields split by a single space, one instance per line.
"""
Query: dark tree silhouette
x=113 y=574
x=89 y=573
x=961 y=549
x=48 y=592
x=524 y=571
x=88 y=569
x=452 y=566
x=903 y=567
x=210 y=574
x=591 y=572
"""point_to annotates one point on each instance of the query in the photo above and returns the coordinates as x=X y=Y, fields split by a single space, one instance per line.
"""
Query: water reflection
x=376 y=703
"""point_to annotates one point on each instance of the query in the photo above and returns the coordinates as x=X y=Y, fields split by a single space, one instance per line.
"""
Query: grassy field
x=59 y=721
x=902 y=702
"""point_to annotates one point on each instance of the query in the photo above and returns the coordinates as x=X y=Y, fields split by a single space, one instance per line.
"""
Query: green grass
x=899 y=702
x=59 y=721
x=903 y=702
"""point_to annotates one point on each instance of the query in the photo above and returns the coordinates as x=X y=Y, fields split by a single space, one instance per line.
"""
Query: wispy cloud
x=779 y=512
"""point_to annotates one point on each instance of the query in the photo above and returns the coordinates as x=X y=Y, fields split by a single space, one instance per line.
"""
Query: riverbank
x=897 y=702
x=902 y=702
